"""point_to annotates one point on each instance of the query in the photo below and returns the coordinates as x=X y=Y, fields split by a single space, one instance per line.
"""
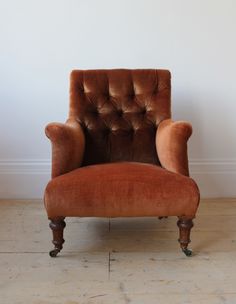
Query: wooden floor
x=104 y=261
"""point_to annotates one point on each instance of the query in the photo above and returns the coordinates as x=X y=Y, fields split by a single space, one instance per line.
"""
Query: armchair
x=119 y=154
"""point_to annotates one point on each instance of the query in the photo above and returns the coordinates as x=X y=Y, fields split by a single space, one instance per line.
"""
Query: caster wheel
x=53 y=253
x=187 y=252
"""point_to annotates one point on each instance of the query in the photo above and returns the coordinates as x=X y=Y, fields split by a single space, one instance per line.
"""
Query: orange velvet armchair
x=119 y=154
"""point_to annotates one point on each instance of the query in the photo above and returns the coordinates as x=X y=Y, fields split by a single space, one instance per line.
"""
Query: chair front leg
x=185 y=225
x=57 y=225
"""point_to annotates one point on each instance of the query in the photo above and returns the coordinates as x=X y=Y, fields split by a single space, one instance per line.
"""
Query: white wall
x=41 y=41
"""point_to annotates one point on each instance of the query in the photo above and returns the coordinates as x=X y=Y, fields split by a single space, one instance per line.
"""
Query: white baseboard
x=27 y=178
x=215 y=177
x=23 y=178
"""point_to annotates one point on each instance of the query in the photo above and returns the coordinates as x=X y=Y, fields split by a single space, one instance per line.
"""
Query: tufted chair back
x=119 y=111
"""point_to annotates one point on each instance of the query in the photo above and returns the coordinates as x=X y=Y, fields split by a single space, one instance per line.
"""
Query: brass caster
x=187 y=252
x=53 y=253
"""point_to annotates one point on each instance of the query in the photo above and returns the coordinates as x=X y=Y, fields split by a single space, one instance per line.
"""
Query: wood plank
x=26 y=230
x=174 y=299
x=77 y=241
x=226 y=206
x=146 y=264
x=35 y=278
x=206 y=273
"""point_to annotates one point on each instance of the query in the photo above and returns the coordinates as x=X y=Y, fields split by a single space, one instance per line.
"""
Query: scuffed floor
x=134 y=260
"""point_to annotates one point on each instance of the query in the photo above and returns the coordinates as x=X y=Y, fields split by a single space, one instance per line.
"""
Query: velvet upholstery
x=67 y=146
x=171 y=143
x=119 y=111
x=119 y=153
x=121 y=189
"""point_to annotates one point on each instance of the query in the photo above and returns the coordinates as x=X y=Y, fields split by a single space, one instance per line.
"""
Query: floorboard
x=119 y=260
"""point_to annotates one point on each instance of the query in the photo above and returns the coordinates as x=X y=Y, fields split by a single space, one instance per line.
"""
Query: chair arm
x=171 y=145
x=68 y=144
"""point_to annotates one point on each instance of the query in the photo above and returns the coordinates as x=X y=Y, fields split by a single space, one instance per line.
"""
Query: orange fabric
x=171 y=143
x=121 y=189
x=67 y=146
x=106 y=158
x=119 y=111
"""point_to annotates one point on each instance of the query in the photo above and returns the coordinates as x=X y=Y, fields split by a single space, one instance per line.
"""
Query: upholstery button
x=132 y=131
x=120 y=112
x=95 y=112
x=144 y=111
x=132 y=134
x=107 y=131
x=155 y=91
x=132 y=95
x=108 y=96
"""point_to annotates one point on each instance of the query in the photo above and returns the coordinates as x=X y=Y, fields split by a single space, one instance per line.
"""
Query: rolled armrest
x=68 y=144
x=171 y=145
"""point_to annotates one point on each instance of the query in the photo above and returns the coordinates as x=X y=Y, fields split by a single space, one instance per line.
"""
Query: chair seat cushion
x=119 y=190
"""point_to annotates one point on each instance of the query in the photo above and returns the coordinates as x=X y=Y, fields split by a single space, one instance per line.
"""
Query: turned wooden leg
x=57 y=225
x=185 y=226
